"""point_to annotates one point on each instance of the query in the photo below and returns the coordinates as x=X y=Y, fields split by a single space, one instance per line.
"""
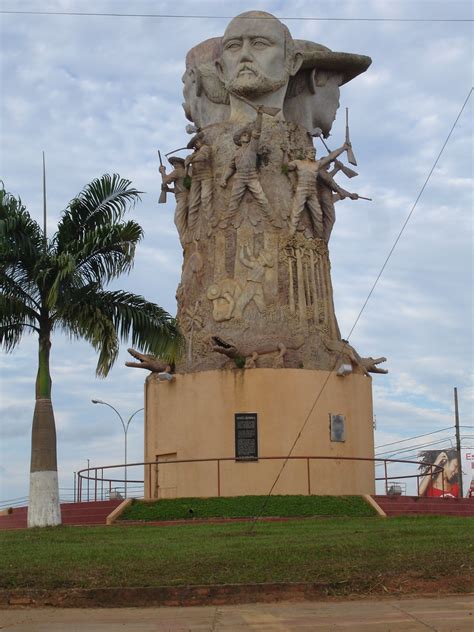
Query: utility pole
x=458 y=441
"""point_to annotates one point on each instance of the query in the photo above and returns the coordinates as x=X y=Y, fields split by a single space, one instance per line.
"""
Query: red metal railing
x=103 y=487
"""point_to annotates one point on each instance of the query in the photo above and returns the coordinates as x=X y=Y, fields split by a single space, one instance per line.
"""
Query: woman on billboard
x=436 y=482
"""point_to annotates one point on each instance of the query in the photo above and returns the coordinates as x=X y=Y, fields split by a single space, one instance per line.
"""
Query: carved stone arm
x=332 y=156
x=228 y=174
x=333 y=185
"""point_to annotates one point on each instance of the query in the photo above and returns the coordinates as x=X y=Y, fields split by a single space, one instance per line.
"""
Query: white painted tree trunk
x=44 y=509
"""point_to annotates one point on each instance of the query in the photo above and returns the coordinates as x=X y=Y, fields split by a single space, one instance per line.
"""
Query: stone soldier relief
x=260 y=207
x=255 y=208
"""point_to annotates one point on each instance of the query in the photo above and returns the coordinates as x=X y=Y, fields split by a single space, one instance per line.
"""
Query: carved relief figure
x=200 y=194
x=244 y=166
x=327 y=199
x=223 y=295
x=306 y=191
x=258 y=57
x=253 y=289
x=176 y=177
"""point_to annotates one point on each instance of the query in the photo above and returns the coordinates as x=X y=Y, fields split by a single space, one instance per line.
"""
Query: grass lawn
x=348 y=554
x=249 y=506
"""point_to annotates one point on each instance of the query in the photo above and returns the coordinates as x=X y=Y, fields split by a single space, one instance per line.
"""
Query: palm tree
x=59 y=284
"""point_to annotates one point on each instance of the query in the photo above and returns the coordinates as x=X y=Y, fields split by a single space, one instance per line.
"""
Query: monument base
x=235 y=428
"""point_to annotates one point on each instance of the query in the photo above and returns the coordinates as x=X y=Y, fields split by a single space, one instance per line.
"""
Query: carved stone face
x=325 y=103
x=190 y=96
x=254 y=59
x=311 y=154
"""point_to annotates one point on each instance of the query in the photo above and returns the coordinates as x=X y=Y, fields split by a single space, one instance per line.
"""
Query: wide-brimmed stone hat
x=192 y=142
x=176 y=160
x=323 y=58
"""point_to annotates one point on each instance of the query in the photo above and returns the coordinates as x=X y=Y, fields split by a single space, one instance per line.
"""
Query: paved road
x=447 y=614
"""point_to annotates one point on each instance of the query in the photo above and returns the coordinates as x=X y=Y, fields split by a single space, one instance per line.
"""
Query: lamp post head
x=97 y=401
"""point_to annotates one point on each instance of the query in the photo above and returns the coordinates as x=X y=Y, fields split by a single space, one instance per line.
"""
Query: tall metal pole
x=125 y=432
x=126 y=472
x=458 y=440
x=126 y=436
x=44 y=200
x=88 y=480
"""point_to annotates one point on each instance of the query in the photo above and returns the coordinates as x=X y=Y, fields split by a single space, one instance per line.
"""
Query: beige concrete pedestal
x=192 y=417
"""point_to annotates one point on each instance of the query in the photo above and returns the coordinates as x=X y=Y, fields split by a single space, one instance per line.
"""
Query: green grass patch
x=350 y=554
x=249 y=506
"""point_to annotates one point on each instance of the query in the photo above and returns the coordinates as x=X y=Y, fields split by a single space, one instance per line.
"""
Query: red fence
x=91 y=484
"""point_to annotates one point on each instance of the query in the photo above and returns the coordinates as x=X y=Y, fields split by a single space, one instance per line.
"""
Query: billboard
x=467 y=464
x=444 y=482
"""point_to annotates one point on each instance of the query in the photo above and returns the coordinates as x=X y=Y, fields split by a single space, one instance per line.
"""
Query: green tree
x=59 y=284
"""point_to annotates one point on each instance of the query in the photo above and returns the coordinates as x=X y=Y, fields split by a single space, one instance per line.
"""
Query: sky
x=100 y=94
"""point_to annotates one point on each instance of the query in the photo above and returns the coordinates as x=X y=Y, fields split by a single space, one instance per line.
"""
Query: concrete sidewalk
x=446 y=614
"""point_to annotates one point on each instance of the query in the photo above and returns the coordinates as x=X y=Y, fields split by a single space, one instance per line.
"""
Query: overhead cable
x=227 y=17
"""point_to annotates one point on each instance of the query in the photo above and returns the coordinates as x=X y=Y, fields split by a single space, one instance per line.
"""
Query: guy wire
x=265 y=502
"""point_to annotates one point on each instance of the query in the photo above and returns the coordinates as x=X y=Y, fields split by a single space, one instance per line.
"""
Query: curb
x=164 y=595
x=213 y=595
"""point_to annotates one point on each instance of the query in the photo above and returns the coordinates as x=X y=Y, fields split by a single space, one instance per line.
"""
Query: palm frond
x=104 y=253
x=101 y=203
x=105 y=317
x=20 y=236
x=59 y=271
x=15 y=318
x=16 y=284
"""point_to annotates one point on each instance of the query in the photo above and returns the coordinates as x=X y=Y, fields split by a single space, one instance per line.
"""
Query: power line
x=360 y=314
x=384 y=445
x=228 y=17
x=420 y=446
x=413 y=448
x=410 y=214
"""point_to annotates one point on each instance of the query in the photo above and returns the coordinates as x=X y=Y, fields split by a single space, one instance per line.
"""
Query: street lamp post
x=125 y=426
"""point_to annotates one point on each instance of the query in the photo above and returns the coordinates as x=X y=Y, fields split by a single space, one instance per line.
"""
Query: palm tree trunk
x=43 y=508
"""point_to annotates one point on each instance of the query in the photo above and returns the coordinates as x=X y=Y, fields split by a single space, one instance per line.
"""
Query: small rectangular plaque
x=246 y=436
x=337 y=426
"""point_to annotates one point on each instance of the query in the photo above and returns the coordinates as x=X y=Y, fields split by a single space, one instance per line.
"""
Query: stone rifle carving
x=177 y=178
x=256 y=266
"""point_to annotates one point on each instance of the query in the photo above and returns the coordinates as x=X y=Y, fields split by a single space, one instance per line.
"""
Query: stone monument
x=255 y=207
